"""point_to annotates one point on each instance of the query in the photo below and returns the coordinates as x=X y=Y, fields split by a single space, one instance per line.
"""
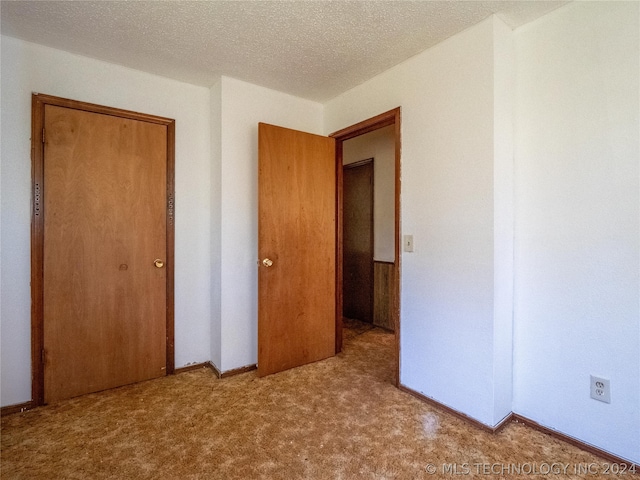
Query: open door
x=296 y=248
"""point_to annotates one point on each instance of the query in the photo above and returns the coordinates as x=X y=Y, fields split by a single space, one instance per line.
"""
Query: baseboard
x=609 y=457
x=238 y=371
x=218 y=373
x=215 y=369
x=456 y=413
x=503 y=423
x=20 y=407
x=514 y=417
x=197 y=366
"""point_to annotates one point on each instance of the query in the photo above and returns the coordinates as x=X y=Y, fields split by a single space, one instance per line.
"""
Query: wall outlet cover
x=600 y=389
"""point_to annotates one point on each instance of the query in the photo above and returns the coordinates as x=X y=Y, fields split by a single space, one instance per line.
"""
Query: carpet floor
x=341 y=418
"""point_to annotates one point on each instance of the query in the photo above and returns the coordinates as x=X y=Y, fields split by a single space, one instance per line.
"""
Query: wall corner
x=503 y=190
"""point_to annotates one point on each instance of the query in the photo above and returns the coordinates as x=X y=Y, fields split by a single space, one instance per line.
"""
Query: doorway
x=102 y=248
x=305 y=163
x=390 y=269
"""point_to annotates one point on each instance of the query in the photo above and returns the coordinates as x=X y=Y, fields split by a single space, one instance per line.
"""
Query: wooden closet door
x=105 y=231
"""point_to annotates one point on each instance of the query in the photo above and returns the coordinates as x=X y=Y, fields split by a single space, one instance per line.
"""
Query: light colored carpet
x=341 y=418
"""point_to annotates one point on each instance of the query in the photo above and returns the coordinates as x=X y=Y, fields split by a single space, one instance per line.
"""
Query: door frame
x=391 y=117
x=38 y=103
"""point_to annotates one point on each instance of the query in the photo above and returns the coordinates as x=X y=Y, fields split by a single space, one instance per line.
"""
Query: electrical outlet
x=601 y=389
x=407 y=240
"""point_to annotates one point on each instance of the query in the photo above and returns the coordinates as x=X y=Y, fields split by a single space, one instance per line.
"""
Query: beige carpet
x=341 y=418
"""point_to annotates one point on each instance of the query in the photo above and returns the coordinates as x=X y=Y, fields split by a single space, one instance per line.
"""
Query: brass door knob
x=158 y=263
x=267 y=262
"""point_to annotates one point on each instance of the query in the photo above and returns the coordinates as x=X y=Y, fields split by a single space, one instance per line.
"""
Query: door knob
x=267 y=262
x=158 y=263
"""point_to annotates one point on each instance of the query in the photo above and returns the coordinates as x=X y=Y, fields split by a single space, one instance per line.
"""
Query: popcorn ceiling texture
x=311 y=49
x=340 y=418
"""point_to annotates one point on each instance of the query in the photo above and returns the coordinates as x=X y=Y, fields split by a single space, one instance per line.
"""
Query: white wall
x=448 y=289
x=379 y=145
x=577 y=309
x=28 y=68
x=243 y=106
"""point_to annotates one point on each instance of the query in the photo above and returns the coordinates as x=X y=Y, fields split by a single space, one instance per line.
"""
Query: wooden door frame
x=38 y=103
x=392 y=117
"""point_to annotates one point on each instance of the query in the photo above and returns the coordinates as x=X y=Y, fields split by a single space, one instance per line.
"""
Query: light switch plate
x=407 y=241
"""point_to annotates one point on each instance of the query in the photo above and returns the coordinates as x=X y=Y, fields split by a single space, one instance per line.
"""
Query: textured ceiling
x=311 y=49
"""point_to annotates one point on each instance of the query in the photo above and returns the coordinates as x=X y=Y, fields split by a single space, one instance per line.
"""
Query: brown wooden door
x=104 y=299
x=357 y=286
x=297 y=238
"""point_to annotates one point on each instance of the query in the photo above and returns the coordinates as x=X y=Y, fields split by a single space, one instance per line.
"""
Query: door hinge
x=42 y=355
x=43 y=135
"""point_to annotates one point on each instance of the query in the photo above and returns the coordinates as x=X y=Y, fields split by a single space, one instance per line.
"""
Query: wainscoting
x=383 y=294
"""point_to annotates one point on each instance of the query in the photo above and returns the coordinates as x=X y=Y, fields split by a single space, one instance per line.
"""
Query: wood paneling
x=384 y=300
x=296 y=231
